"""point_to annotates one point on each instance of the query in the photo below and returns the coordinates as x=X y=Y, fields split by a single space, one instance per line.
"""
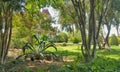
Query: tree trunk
x=5 y=32
x=117 y=28
x=106 y=39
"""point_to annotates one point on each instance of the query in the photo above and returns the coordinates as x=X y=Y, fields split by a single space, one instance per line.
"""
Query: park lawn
x=74 y=50
x=114 y=53
x=105 y=61
x=71 y=51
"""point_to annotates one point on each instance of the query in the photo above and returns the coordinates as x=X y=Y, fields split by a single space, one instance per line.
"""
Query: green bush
x=18 y=42
x=61 y=37
x=118 y=39
x=76 y=39
x=114 y=40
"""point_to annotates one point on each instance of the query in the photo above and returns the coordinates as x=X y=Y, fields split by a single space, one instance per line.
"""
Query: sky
x=113 y=31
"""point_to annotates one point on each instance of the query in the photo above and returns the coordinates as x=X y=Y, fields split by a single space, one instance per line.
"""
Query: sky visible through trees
x=55 y=14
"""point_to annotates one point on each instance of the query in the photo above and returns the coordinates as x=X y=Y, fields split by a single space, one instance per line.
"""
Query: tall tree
x=80 y=8
x=6 y=11
x=108 y=20
x=101 y=10
x=87 y=18
x=68 y=17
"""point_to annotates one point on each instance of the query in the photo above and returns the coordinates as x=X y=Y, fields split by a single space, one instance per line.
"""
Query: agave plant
x=37 y=49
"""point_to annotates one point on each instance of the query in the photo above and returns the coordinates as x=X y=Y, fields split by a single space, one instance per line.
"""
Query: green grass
x=70 y=51
x=114 y=53
x=105 y=61
x=75 y=50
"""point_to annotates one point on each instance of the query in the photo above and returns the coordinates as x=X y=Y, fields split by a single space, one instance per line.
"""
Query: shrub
x=114 y=40
x=76 y=39
x=118 y=39
x=18 y=43
x=61 y=37
x=37 y=50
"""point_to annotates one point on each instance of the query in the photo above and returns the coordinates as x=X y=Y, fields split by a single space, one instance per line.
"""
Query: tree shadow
x=115 y=52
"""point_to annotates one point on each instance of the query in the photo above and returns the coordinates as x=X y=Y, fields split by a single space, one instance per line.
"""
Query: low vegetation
x=105 y=61
x=36 y=50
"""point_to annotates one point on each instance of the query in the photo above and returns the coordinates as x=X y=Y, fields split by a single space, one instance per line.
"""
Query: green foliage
x=61 y=37
x=55 y=68
x=118 y=39
x=20 y=36
x=18 y=43
x=114 y=40
x=106 y=61
x=100 y=64
x=27 y=70
x=76 y=39
x=37 y=49
x=21 y=30
x=45 y=38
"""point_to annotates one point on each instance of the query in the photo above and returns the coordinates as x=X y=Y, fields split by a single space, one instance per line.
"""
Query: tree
x=109 y=20
x=116 y=8
x=80 y=9
x=68 y=17
x=101 y=9
x=86 y=10
x=6 y=12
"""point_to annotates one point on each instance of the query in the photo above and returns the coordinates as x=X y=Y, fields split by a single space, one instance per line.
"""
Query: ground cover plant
x=105 y=61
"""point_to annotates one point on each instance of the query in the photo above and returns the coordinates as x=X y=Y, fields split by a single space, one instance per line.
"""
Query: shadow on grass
x=110 y=52
x=100 y=64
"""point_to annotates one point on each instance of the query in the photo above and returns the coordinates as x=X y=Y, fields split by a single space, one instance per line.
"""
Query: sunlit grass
x=114 y=53
x=71 y=51
x=105 y=60
x=74 y=51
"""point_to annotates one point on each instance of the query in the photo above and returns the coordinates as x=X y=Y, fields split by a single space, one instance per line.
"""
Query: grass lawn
x=69 y=51
x=105 y=61
x=114 y=53
x=73 y=51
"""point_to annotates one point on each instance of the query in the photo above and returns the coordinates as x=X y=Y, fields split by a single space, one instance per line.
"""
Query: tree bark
x=106 y=39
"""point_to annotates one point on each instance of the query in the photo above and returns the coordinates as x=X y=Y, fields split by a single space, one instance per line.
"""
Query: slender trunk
x=103 y=12
x=86 y=40
x=117 y=28
x=5 y=30
x=106 y=39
